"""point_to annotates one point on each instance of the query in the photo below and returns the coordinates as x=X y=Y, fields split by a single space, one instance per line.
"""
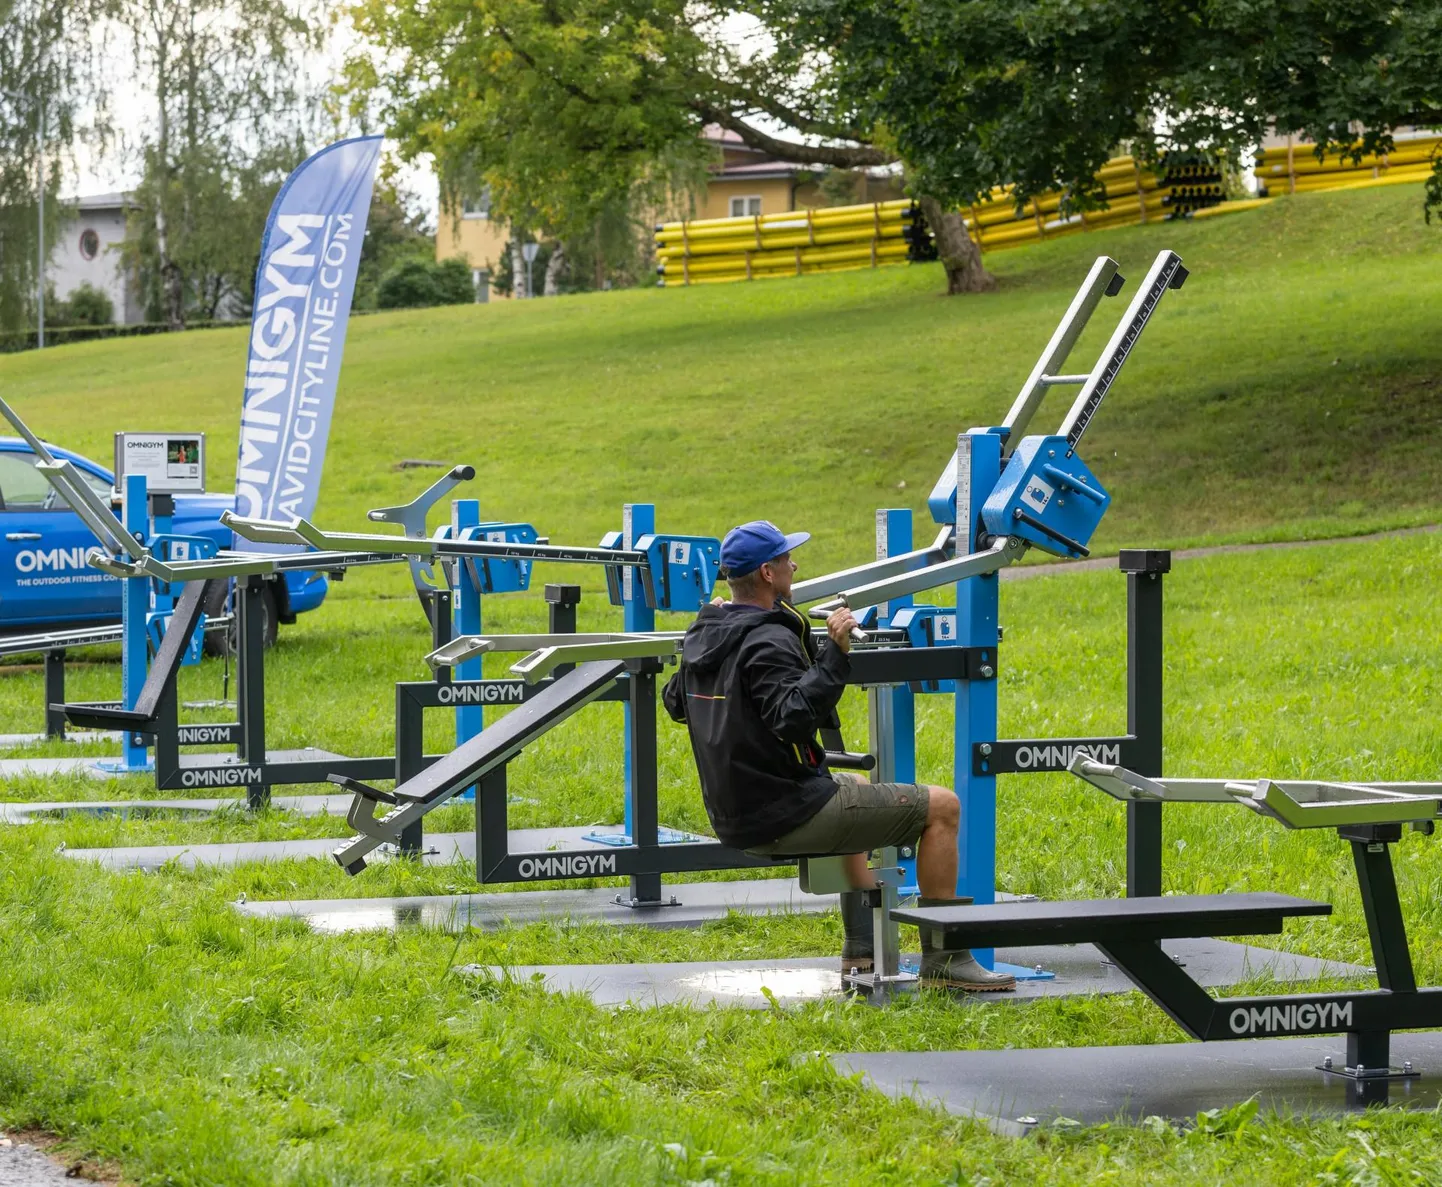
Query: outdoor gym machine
x=1002 y=495
x=1370 y=817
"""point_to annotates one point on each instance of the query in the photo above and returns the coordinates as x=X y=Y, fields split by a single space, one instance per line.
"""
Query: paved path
x=1022 y=572
x=25 y=1166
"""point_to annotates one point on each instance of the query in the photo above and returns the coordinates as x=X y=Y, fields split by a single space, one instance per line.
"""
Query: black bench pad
x=1099 y=921
x=183 y=621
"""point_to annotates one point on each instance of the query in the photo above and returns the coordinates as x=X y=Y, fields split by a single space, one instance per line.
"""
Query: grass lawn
x=149 y=1024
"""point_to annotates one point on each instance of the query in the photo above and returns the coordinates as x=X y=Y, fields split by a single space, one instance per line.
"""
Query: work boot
x=955 y=968
x=857 y=949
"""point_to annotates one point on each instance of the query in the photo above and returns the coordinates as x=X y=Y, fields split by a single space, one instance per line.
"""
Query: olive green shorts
x=859 y=818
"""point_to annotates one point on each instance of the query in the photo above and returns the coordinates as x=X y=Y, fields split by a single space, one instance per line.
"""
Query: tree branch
x=837 y=156
x=569 y=87
x=777 y=110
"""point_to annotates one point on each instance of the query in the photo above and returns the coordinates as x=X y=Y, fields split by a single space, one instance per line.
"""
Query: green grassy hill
x=1292 y=388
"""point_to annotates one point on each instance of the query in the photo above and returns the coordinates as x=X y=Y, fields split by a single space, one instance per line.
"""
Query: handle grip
x=822 y=613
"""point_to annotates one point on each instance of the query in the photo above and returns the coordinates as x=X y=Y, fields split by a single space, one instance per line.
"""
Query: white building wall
x=71 y=264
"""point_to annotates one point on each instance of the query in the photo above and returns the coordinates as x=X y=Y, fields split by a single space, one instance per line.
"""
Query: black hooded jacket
x=753 y=690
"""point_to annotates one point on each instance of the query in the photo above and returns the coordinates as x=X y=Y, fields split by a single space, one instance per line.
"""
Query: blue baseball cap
x=750 y=546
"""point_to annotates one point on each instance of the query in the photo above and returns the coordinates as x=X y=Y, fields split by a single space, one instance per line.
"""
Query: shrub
x=89 y=306
x=454 y=285
x=414 y=284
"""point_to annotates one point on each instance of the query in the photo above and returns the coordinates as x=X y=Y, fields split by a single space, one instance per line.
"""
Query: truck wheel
x=216 y=642
x=228 y=641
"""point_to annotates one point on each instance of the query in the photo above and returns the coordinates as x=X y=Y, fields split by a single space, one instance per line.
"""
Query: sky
x=118 y=168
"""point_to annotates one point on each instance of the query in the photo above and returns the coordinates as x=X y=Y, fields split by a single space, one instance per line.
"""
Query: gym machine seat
x=160 y=680
x=1104 y=921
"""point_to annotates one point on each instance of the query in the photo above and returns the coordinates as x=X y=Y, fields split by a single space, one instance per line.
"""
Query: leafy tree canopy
x=566 y=106
x=1038 y=93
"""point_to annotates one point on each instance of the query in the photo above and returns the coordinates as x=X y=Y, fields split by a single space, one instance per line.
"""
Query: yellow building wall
x=775 y=196
x=477 y=240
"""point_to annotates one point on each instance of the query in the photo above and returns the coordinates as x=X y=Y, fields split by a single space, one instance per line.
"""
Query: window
x=479 y=206
x=23 y=487
x=89 y=244
x=21 y=484
x=746 y=206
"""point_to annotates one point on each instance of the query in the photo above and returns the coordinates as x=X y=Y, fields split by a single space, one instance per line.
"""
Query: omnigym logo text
x=1288 y=1019
x=570 y=865
x=1058 y=758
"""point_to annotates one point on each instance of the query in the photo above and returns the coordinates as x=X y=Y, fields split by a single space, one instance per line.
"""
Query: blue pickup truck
x=44 y=580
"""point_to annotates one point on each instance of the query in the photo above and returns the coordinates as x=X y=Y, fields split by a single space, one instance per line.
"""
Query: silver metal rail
x=302 y=531
x=1293 y=803
x=1005 y=551
x=465 y=647
x=379 y=549
x=70 y=484
x=542 y=662
x=1166 y=273
x=1102 y=281
x=60 y=640
x=906 y=562
x=97 y=636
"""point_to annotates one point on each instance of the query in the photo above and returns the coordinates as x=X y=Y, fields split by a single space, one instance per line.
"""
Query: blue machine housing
x=942 y=500
x=682 y=570
x=492 y=574
x=1047 y=496
x=928 y=626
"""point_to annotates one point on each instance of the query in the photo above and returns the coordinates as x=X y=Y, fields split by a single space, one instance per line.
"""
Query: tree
x=213 y=241
x=394 y=232
x=572 y=109
x=85 y=306
x=228 y=118
x=566 y=105
x=1037 y=95
x=47 y=74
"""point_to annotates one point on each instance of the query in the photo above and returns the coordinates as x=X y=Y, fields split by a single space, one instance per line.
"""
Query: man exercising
x=753 y=690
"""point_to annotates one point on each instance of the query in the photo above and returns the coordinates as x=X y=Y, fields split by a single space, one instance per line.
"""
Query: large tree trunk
x=553 y=272
x=959 y=255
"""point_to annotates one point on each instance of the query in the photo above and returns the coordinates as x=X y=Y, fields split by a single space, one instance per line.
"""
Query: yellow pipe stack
x=1178 y=186
x=718 y=250
x=831 y=239
x=1294 y=168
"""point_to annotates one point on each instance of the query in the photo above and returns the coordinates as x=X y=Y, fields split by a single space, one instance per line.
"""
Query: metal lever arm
x=831 y=583
x=412 y=516
x=1295 y=803
x=1166 y=273
x=1005 y=551
x=1102 y=280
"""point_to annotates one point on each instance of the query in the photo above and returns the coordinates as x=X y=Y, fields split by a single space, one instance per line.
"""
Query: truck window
x=24 y=488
